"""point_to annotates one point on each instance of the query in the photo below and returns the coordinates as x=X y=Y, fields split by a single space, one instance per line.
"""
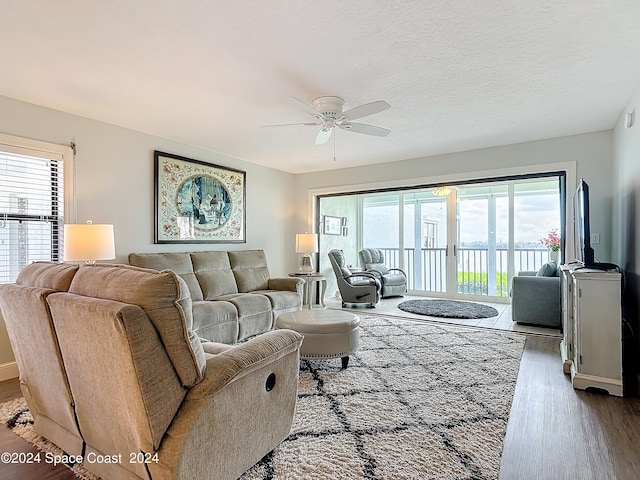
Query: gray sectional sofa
x=233 y=295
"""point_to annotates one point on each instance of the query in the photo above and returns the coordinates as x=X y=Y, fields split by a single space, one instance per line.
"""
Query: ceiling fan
x=329 y=114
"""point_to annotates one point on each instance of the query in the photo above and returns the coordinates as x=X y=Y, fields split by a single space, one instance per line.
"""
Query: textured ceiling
x=459 y=75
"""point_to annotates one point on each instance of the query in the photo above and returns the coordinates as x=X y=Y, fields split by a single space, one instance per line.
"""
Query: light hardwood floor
x=554 y=431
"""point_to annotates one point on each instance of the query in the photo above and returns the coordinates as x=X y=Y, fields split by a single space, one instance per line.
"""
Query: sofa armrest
x=243 y=359
x=528 y=273
x=291 y=284
x=536 y=300
x=237 y=414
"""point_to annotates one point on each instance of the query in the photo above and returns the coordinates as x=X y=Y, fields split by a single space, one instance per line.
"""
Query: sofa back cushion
x=165 y=299
x=179 y=263
x=124 y=384
x=35 y=345
x=250 y=270
x=214 y=274
x=52 y=275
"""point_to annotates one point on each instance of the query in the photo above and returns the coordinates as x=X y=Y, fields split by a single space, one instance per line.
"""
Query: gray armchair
x=535 y=300
x=393 y=280
x=357 y=287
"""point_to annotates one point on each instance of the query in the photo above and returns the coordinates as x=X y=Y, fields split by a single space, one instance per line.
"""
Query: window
x=32 y=207
x=430 y=234
x=465 y=238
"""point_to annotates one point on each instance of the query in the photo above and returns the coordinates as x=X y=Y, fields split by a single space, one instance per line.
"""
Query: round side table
x=311 y=281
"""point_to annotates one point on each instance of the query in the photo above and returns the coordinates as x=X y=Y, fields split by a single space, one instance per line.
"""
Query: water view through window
x=464 y=240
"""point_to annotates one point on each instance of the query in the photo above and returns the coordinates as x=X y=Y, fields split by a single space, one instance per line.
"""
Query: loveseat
x=111 y=369
x=233 y=295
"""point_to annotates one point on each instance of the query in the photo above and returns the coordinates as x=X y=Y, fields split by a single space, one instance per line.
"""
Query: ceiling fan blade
x=323 y=135
x=365 y=129
x=306 y=107
x=366 y=109
x=290 y=124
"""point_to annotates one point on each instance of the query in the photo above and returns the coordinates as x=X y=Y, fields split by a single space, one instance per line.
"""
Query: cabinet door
x=598 y=330
x=567 y=313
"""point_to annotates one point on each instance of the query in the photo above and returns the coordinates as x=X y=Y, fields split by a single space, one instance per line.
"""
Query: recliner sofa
x=233 y=294
x=110 y=366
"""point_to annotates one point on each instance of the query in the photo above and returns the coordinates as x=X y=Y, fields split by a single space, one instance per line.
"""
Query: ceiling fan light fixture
x=329 y=106
x=441 y=191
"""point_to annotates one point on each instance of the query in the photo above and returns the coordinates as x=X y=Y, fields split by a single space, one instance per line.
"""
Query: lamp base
x=306 y=263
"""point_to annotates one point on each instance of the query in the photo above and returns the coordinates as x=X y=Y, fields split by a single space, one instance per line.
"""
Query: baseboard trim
x=9 y=371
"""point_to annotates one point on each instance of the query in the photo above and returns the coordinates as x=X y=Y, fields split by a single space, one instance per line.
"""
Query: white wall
x=114 y=181
x=626 y=231
x=592 y=154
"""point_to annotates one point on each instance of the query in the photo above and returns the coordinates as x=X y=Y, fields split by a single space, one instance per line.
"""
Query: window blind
x=31 y=209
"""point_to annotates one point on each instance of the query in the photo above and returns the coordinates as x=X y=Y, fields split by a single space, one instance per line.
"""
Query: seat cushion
x=215 y=321
x=281 y=299
x=393 y=279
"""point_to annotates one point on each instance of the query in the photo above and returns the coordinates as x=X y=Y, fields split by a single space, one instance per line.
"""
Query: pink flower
x=552 y=240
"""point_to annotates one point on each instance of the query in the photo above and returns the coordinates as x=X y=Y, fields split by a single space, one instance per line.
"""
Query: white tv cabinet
x=592 y=328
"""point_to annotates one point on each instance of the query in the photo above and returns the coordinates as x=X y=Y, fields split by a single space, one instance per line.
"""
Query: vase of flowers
x=552 y=242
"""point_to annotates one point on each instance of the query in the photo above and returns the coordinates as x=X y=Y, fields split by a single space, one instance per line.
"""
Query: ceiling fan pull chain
x=335 y=134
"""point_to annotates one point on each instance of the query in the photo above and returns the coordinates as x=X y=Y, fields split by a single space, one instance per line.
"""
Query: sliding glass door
x=466 y=240
x=425 y=240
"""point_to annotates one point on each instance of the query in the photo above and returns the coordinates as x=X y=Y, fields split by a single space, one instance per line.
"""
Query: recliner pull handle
x=271 y=382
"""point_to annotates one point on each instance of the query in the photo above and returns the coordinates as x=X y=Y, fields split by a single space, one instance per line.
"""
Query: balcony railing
x=428 y=272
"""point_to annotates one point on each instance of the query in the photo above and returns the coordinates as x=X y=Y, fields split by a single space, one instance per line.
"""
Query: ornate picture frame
x=197 y=202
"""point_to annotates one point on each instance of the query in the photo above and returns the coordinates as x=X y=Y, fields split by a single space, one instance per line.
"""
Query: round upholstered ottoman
x=327 y=333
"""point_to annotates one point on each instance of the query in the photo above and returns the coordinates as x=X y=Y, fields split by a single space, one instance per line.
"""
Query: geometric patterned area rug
x=448 y=309
x=418 y=401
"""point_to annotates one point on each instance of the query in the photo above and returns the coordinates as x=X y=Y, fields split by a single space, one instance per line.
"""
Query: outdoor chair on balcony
x=393 y=280
x=356 y=287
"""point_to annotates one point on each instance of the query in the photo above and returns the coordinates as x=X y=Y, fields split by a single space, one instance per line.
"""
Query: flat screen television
x=582 y=232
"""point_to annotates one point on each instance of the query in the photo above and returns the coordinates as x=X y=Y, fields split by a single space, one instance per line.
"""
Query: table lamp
x=306 y=243
x=88 y=242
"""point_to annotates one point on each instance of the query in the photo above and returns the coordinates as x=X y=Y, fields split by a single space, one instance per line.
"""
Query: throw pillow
x=547 y=270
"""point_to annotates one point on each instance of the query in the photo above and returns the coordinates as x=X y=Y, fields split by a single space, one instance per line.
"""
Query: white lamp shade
x=88 y=242
x=306 y=243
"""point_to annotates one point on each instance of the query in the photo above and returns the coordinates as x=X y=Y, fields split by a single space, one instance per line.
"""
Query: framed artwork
x=197 y=202
x=331 y=225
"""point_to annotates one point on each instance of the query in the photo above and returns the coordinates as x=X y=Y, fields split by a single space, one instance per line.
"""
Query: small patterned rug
x=448 y=309
x=418 y=401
